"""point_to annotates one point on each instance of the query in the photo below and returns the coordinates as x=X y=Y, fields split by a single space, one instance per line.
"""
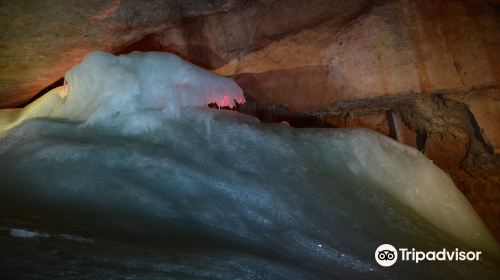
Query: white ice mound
x=104 y=86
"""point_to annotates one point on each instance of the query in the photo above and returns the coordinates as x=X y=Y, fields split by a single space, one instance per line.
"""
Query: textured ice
x=129 y=146
x=23 y=233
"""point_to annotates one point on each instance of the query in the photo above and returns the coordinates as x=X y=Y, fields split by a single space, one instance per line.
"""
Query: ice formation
x=129 y=146
x=105 y=86
x=16 y=232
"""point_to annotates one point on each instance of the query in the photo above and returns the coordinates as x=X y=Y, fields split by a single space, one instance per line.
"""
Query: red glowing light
x=227 y=101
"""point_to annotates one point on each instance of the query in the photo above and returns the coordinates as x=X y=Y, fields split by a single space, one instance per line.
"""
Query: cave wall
x=388 y=49
x=426 y=73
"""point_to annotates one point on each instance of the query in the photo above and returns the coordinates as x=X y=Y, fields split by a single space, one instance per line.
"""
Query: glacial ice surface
x=128 y=152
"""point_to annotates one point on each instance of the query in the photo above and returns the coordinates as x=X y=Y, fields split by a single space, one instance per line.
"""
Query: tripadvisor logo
x=387 y=255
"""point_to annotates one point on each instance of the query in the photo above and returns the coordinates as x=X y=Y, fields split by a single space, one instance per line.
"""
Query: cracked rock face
x=424 y=72
x=389 y=49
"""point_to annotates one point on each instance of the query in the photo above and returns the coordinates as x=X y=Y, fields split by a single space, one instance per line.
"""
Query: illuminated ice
x=129 y=145
x=104 y=87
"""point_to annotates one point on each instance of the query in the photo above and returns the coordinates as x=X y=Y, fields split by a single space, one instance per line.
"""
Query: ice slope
x=129 y=146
